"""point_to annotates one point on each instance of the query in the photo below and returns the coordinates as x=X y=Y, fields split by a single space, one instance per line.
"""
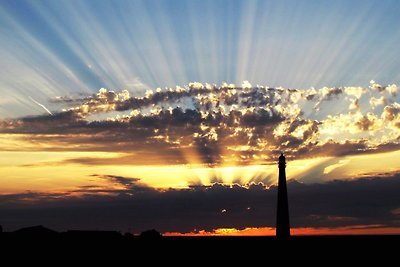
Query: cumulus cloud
x=391 y=115
x=354 y=104
x=392 y=89
x=327 y=93
x=210 y=122
x=246 y=85
x=391 y=112
x=366 y=201
x=376 y=86
x=367 y=122
x=374 y=102
x=355 y=91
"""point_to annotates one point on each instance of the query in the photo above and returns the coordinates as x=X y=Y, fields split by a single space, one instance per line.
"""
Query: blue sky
x=51 y=48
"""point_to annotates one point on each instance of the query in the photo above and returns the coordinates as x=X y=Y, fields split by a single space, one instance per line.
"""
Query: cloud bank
x=132 y=206
x=226 y=124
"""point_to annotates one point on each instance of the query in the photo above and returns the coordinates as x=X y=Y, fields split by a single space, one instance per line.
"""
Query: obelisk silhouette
x=282 y=214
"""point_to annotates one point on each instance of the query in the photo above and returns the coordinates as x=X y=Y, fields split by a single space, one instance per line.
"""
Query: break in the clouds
x=219 y=125
x=129 y=205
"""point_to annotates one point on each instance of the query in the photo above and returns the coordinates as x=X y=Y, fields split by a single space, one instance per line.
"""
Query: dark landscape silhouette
x=39 y=239
x=346 y=245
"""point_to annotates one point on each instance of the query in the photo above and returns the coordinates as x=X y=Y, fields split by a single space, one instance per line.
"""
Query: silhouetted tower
x=282 y=214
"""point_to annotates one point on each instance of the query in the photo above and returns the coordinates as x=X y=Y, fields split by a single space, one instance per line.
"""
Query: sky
x=133 y=115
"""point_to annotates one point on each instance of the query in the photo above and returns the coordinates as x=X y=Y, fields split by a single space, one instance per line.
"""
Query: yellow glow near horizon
x=365 y=165
x=44 y=171
x=51 y=171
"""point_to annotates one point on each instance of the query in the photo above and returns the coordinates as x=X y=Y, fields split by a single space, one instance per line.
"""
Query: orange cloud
x=227 y=125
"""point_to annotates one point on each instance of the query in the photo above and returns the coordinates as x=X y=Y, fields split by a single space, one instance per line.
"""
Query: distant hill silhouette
x=150 y=234
x=35 y=230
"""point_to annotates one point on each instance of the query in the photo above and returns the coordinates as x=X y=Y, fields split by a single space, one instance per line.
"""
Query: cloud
x=125 y=181
x=376 y=86
x=367 y=122
x=327 y=93
x=391 y=116
x=246 y=85
x=209 y=122
x=392 y=89
x=323 y=94
x=366 y=201
x=374 y=102
x=355 y=104
x=391 y=112
x=339 y=148
x=355 y=91
x=310 y=94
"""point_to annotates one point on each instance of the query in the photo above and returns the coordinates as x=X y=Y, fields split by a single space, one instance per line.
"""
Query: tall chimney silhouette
x=282 y=215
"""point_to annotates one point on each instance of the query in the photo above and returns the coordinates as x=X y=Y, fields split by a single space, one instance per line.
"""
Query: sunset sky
x=171 y=114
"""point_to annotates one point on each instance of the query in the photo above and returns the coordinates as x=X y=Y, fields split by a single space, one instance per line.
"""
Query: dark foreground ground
x=97 y=245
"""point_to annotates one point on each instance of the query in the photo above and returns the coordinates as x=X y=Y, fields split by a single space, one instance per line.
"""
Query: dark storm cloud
x=364 y=201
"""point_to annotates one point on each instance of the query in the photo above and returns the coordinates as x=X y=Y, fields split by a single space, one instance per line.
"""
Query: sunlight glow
x=374 y=229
